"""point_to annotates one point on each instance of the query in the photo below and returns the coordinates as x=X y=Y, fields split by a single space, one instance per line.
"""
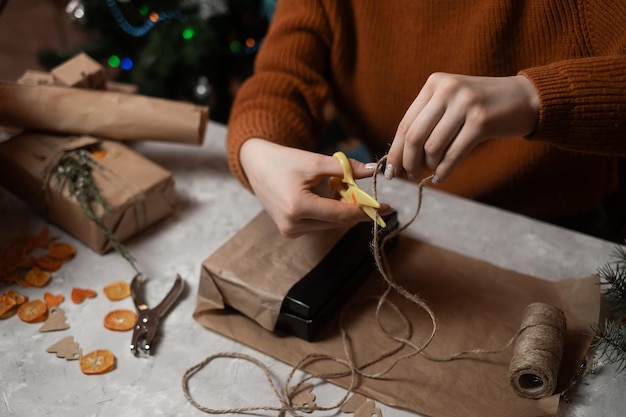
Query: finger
x=330 y=166
x=442 y=136
x=362 y=170
x=463 y=144
x=395 y=156
x=333 y=211
x=306 y=226
x=338 y=212
x=325 y=214
x=326 y=165
x=419 y=132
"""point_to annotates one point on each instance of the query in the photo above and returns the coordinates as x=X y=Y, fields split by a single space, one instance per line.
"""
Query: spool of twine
x=534 y=368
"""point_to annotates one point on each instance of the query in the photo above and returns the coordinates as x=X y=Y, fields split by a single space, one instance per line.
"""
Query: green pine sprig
x=610 y=343
x=75 y=170
x=610 y=337
x=614 y=275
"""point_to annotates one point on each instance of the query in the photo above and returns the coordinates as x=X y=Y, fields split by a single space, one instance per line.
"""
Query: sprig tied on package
x=75 y=170
x=610 y=336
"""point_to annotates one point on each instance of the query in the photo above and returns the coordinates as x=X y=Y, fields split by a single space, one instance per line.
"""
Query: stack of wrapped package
x=63 y=152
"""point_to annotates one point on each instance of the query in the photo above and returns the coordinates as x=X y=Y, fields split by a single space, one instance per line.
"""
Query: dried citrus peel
x=118 y=290
x=120 y=320
x=53 y=300
x=17 y=257
x=48 y=263
x=80 y=294
x=10 y=301
x=7 y=306
x=34 y=311
x=97 y=362
x=37 y=277
x=61 y=250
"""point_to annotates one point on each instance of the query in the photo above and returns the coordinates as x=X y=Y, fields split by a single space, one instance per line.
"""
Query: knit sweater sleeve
x=583 y=101
x=284 y=101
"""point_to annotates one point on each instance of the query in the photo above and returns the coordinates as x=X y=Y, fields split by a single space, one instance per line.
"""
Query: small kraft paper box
x=294 y=286
x=136 y=191
x=80 y=71
x=34 y=77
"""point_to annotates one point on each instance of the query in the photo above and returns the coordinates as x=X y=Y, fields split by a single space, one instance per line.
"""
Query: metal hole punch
x=148 y=319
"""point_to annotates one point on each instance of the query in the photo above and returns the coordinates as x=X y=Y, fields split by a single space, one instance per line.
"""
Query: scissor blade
x=361 y=198
x=353 y=194
x=371 y=212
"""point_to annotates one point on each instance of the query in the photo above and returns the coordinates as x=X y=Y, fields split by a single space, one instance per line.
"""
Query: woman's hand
x=452 y=114
x=292 y=186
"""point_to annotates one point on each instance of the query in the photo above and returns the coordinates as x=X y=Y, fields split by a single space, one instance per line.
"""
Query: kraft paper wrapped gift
x=34 y=77
x=292 y=285
x=137 y=191
x=80 y=71
x=477 y=305
x=101 y=113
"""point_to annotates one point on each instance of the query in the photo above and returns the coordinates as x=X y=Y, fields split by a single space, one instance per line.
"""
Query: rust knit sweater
x=371 y=58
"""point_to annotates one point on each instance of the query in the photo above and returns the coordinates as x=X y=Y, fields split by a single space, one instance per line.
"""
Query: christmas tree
x=191 y=50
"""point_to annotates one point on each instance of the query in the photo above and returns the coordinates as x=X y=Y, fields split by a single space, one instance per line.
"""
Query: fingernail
x=436 y=179
x=410 y=176
x=389 y=172
x=371 y=165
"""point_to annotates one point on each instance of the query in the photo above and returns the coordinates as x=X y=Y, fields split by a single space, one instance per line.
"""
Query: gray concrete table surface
x=211 y=207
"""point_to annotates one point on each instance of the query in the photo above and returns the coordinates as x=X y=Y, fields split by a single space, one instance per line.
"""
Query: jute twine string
x=136 y=195
x=538 y=342
x=532 y=372
x=82 y=156
x=382 y=264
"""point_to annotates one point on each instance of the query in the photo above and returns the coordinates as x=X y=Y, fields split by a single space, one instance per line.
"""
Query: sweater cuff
x=556 y=101
x=581 y=103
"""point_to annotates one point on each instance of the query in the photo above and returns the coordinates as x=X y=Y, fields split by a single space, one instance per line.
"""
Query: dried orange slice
x=33 y=311
x=120 y=320
x=37 y=277
x=8 y=314
x=42 y=239
x=53 y=300
x=19 y=247
x=99 y=154
x=61 y=250
x=79 y=294
x=48 y=263
x=118 y=290
x=19 y=298
x=23 y=283
x=97 y=362
x=7 y=305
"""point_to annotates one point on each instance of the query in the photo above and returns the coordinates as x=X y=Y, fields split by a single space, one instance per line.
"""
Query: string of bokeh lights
x=249 y=47
x=152 y=18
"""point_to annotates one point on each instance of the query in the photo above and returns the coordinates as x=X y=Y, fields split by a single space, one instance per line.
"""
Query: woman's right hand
x=292 y=186
x=453 y=114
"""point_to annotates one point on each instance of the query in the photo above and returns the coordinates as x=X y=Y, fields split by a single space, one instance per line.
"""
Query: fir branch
x=610 y=343
x=614 y=273
x=75 y=171
x=610 y=339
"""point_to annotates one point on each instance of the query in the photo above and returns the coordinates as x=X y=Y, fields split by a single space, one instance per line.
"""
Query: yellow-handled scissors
x=350 y=191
